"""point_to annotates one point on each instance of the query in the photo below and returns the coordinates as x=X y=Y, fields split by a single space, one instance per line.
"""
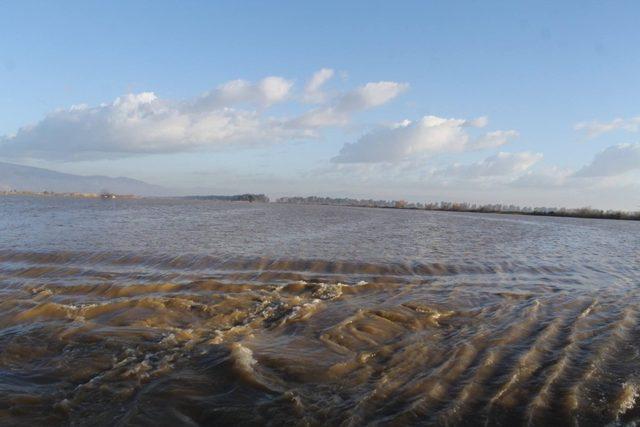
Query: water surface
x=177 y=312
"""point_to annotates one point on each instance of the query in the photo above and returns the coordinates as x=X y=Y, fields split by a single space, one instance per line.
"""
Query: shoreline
x=585 y=212
x=70 y=195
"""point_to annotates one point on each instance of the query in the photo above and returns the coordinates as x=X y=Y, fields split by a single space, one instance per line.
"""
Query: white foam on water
x=243 y=359
x=628 y=397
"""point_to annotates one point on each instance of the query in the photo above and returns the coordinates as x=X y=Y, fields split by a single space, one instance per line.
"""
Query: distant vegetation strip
x=235 y=198
x=585 y=212
x=76 y=195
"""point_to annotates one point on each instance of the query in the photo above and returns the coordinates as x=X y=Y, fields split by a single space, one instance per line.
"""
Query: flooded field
x=172 y=312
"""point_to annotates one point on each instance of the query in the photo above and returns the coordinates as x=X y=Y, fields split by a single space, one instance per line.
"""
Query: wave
x=113 y=266
x=148 y=339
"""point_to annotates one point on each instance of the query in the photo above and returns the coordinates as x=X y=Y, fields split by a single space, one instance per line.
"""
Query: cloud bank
x=339 y=113
x=501 y=164
x=139 y=123
x=612 y=161
x=234 y=114
x=428 y=136
x=241 y=114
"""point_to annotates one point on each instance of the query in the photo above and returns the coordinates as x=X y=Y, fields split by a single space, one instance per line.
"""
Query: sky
x=531 y=103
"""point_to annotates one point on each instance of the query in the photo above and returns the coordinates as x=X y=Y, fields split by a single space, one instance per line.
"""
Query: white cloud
x=266 y=92
x=593 y=129
x=545 y=178
x=427 y=136
x=234 y=114
x=501 y=164
x=313 y=89
x=479 y=122
x=320 y=118
x=612 y=161
x=516 y=178
x=363 y=98
x=370 y=95
x=139 y=123
x=496 y=138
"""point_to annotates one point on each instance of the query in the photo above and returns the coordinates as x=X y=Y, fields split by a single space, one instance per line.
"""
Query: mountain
x=27 y=178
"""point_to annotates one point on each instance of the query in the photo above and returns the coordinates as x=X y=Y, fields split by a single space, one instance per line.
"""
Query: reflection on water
x=161 y=312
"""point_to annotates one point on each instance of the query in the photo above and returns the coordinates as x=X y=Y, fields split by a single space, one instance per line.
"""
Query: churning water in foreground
x=167 y=312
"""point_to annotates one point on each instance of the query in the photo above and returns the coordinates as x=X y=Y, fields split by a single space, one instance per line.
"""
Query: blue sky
x=558 y=79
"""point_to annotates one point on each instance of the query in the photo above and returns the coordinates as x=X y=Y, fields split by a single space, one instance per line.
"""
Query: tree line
x=584 y=212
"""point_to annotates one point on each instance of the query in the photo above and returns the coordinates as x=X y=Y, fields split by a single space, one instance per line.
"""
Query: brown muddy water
x=168 y=312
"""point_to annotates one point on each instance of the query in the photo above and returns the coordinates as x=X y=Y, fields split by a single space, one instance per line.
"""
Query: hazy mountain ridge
x=28 y=178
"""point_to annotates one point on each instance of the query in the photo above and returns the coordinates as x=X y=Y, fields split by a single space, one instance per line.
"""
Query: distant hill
x=27 y=178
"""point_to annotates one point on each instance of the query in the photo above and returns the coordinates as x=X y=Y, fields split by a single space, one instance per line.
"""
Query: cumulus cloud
x=613 y=160
x=339 y=113
x=138 y=123
x=427 y=136
x=233 y=114
x=370 y=95
x=501 y=164
x=478 y=122
x=496 y=138
x=593 y=129
x=267 y=91
x=313 y=89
